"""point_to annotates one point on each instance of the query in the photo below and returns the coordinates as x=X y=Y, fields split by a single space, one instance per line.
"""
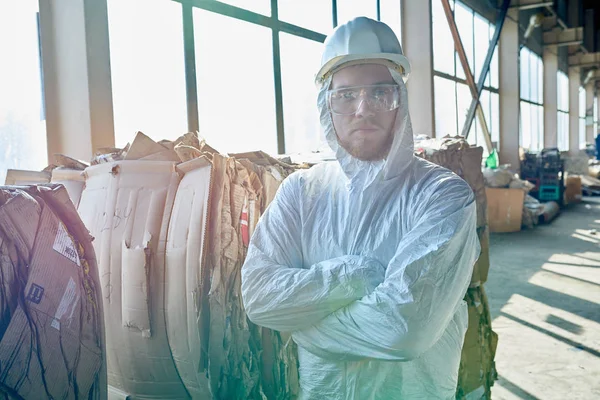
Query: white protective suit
x=367 y=264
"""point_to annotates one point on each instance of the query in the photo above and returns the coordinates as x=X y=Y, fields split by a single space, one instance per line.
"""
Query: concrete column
x=595 y=133
x=574 y=81
x=78 y=92
x=418 y=47
x=589 y=112
x=550 y=96
x=508 y=51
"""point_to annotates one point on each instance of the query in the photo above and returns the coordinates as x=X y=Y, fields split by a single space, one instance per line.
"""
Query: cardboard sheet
x=23 y=177
x=477 y=371
x=184 y=265
x=482 y=266
x=145 y=148
x=127 y=206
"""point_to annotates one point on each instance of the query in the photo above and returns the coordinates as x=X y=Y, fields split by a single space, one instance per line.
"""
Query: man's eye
x=348 y=95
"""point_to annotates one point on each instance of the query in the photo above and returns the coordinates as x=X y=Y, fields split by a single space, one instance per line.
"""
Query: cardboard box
x=573 y=190
x=505 y=209
x=53 y=346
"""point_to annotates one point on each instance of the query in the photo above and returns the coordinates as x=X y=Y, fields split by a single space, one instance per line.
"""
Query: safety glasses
x=379 y=98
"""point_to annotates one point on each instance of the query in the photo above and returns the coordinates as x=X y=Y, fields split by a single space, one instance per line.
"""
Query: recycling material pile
x=576 y=164
x=534 y=211
x=593 y=168
x=51 y=317
x=171 y=222
x=477 y=368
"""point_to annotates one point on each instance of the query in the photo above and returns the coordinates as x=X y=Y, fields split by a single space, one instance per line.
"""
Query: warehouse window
x=235 y=81
x=299 y=59
x=147 y=69
x=258 y=6
x=532 y=99
x=562 y=81
x=582 y=111
x=295 y=12
x=348 y=9
x=243 y=69
x=452 y=95
x=22 y=121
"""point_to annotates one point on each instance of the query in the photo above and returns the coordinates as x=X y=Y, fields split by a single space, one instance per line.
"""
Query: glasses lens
x=379 y=98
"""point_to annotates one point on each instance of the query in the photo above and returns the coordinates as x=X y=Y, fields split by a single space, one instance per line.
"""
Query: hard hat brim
x=398 y=60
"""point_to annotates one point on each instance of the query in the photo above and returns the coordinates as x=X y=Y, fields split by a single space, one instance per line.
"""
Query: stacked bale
x=172 y=222
x=51 y=315
x=477 y=368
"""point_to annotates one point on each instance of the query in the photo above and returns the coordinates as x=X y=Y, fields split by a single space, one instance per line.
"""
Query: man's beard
x=365 y=150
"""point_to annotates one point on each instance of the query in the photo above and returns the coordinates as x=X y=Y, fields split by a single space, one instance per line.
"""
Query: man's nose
x=363 y=110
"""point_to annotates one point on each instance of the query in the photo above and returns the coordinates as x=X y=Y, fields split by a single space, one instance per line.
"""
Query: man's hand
x=362 y=275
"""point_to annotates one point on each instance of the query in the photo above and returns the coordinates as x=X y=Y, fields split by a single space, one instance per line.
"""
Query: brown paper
x=144 y=148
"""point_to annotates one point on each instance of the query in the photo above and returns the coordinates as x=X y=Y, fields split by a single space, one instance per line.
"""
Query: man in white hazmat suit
x=366 y=260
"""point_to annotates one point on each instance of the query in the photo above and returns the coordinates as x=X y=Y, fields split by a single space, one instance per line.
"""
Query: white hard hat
x=362 y=40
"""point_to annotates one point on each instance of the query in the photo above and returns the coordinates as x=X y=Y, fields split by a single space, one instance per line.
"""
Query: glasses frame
x=395 y=103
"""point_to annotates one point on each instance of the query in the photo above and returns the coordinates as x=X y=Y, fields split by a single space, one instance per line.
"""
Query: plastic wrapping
x=366 y=263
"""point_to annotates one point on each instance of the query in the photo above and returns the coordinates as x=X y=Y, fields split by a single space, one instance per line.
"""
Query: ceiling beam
x=530 y=4
x=549 y=23
x=585 y=60
x=566 y=37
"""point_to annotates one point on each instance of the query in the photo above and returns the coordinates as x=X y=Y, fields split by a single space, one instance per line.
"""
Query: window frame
x=272 y=22
x=537 y=105
x=457 y=77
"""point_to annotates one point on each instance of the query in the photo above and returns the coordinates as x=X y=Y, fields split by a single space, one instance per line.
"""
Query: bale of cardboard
x=455 y=154
x=52 y=331
x=477 y=371
x=224 y=355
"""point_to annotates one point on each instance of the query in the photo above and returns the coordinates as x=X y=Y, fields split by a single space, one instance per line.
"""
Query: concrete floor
x=544 y=293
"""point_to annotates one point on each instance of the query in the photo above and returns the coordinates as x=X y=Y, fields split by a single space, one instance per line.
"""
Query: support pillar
x=574 y=80
x=418 y=47
x=589 y=112
x=508 y=51
x=77 y=84
x=550 y=96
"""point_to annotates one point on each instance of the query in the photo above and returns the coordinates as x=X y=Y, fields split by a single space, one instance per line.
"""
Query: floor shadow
x=564 y=324
x=516 y=257
x=514 y=389
x=572 y=277
x=587 y=258
x=562 y=301
x=574 y=305
x=570 y=342
x=575 y=265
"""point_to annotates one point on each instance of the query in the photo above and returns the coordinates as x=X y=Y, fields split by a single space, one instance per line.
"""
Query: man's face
x=366 y=135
